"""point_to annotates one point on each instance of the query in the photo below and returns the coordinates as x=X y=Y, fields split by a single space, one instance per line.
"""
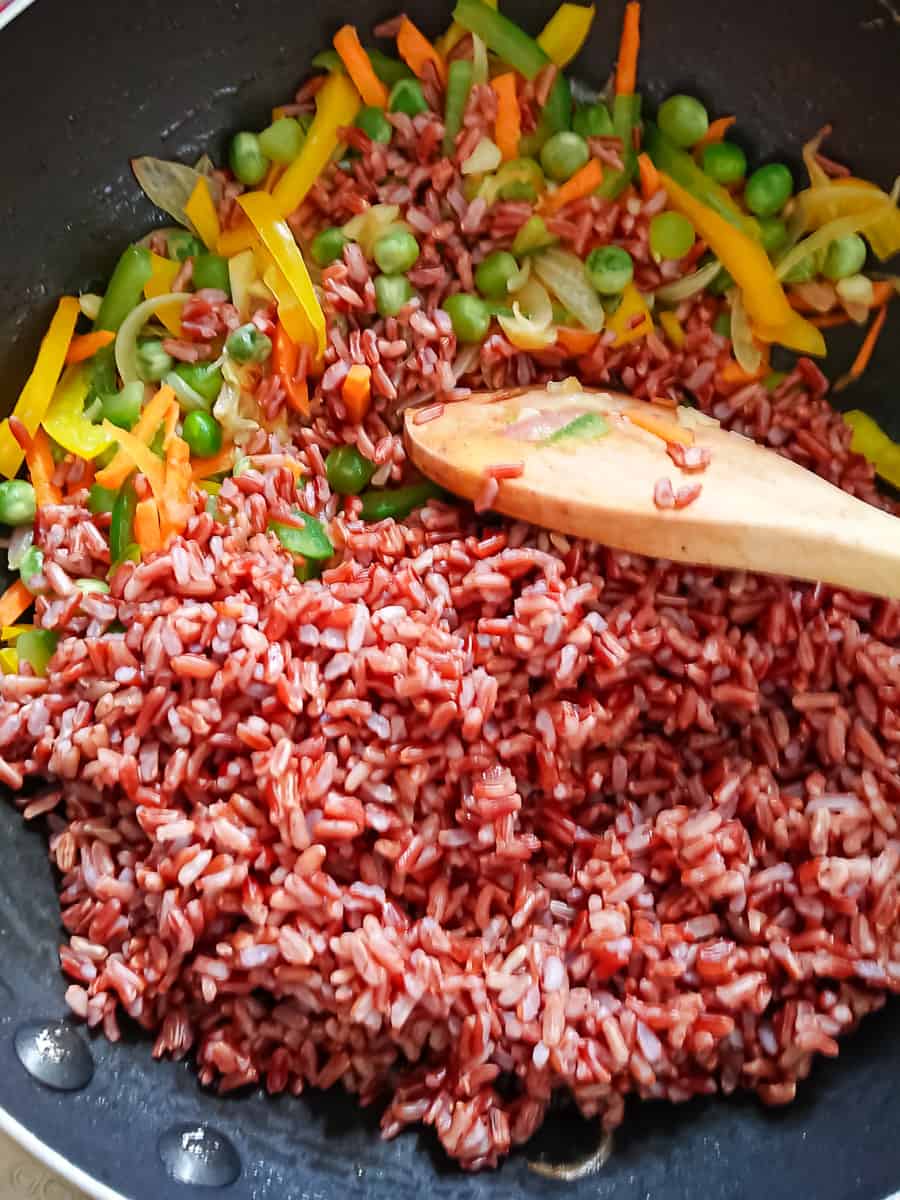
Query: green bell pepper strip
x=668 y=157
x=459 y=84
x=626 y=118
x=101 y=499
x=389 y=70
x=381 y=503
x=121 y=529
x=123 y=293
x=312 y=541
x=519 y=51
x=37 y=647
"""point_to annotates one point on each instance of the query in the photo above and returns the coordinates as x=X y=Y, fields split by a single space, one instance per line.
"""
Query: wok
x=83 y=87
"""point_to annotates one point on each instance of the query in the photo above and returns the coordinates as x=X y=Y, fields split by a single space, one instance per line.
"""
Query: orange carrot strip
x=14 y=601
x=86 y=345
x=582 y=183
x=170 y=424
x=114 y=475
x=146 y=526
x=866 y=350
x=883 y=290
x=650 y=184
x=416 y=50
x=39 y=461
x=206 y=468
x=576 y=341
x=733 y=372
x=715 y=133
x=662 y=427
x=829 y=320
x=508 y=125
x=626 y=68
x=356 y=392
x=359 y=67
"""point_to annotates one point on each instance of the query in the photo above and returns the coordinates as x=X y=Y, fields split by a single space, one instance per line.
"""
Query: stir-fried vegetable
x=65 y=420
x=870 y=440
x=359 y=67
x=563 y=274
x=459 y=84
x=201 y=212
x=587 y=425
x=379 y=504
x=632 y=319
x=566 y=32
x=337 y=104
x=678 y=165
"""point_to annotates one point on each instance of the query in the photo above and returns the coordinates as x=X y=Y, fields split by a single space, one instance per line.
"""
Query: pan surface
x=83 y=87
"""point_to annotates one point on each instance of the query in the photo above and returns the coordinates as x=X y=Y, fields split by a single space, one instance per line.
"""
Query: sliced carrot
x=650 y=184
x=39 y=461
x=416 y=51
x=146 y=526
x=576 y=341
x=883 y=290
x=715 y=133
x=359 y=67
x=662 y=427
x=114 y=475
x=86 y=345
x=14 y=601
x=356 y=392
x=206 y=468
x=141 y=456
x=866 y=350
x=733 y=372
x=170 y=424
x=582 y=183
x=508 y=125
x=829 y=320
x=626 y=68
x=285 y=359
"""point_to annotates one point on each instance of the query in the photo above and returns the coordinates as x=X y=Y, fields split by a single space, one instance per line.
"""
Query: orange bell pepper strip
x=15 y=600
x=356 y=392
x=416 y=50
x=359 y=67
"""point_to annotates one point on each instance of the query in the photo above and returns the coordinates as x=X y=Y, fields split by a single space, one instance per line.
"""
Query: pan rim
x=12 y=10
x=58 y=1163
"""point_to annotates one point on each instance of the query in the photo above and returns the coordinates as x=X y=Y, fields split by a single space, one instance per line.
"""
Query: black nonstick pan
x=82 y=88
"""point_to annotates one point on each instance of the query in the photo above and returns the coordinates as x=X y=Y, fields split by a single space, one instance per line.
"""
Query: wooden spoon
x=756 y=510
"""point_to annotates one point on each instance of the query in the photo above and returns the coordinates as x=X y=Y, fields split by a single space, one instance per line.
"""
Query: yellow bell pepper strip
x=337 y=103
x=566 y=32
x=140 y=455
x=235 y=241
x=201 y=212
x=160 y=283
x=870 y=440
x=359 y=67
x=672 y=328
x=815 y=207
x=277 y=238
x=65 y=420
x=15 y=600
x=748 y=264
x=86 y=345
x=37 y=393
x=9 y=661
x=9 y=633
x=153 y=415
x=625 y=323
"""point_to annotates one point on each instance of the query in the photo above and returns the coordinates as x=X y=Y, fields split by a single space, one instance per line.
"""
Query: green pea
x=683 y=119
x=211 y=271
x=32 y=564
x=372 y=121
x=203 y=434
x=153 y=361
x=609 y=269
x=391 y=293
x=725 y=162
x=469 y=315
x=768 y=189
x=282 y=141
x=564 y=154
x=328 y=246
x=124 y=407
x=671 y=235
x=203 y=378
x=101 y=499
x=593 y=120
x=805 y=271
x=248 y=344
x=846 y=256
x=773 y=234
x=494 y=273
x=183 y=245
x=348 y=471
x=407 y=97
x=396 y=251
x=17 y=503
x=247 y=159
x=722 y=323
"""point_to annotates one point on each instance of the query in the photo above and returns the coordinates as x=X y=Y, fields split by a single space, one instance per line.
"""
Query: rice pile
x=485 y=813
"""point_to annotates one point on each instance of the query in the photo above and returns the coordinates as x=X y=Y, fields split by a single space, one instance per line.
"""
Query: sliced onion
x=367 y=227
x=531 y=325
x=479 y=61
x=129 y=330
x=818 y=294
x=690 y=285
x=563 y=273
x=746 y=351
x=517 y=281
x=232 y=409
x=485 y=157
x=169 y=185
x=817 y=177
x=841 y=227
x=242 y=275
x=189 y=400
x=856 y=294
x=465 y=361
x=20 y=542
x=89 y=303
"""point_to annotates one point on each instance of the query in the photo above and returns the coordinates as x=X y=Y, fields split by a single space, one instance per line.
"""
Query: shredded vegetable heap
x=346 y=782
